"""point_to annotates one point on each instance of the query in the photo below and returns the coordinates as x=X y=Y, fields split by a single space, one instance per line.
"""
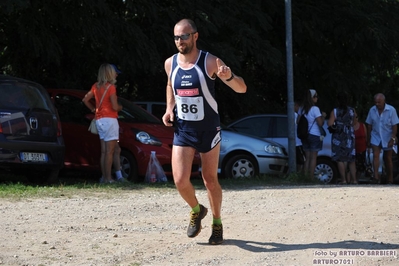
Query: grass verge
x=16 y=187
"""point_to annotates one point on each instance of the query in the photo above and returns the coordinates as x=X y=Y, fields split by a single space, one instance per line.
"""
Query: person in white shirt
x=382 y=121
x=313 y=143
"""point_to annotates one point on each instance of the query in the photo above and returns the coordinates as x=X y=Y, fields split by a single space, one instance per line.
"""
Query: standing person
x=313 y=143
x=360 y=146
x=300 y=154
x=117 y=151
x=191 y=88
x=382 y=121
x=343 y=139
x=106 y=117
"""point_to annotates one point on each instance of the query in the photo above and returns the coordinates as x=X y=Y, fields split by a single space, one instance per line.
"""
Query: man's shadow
x=254 y=246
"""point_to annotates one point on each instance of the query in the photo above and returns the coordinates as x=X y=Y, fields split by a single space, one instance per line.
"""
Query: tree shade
x=348 y=45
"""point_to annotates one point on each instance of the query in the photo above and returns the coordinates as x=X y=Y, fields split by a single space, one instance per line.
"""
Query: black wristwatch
x=232 y=76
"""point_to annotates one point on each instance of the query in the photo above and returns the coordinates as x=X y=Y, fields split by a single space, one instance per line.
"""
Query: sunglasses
x=316 y=96
x=183 y=37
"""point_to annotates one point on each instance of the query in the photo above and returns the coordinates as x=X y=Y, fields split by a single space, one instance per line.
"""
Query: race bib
x=190 y=108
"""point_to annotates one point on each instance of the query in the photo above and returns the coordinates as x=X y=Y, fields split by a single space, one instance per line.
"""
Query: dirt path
x=262 y=226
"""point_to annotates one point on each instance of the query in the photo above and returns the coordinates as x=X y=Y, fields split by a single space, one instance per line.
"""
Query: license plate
x=33 y=157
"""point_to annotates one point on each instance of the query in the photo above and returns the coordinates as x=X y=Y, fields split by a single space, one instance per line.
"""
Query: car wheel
x=129 y=166
x=240 y=166
x=325 y=170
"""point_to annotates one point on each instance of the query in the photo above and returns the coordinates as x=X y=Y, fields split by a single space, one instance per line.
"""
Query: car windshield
x=22 y=96
x=132 y=112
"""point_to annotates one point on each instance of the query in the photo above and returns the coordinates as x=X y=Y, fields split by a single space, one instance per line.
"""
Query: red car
x=140 y=133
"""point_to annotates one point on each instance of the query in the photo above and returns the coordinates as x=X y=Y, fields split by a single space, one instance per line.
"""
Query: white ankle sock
x=118 y=174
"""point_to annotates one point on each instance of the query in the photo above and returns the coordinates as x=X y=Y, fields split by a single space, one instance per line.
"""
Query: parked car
x=31 y=141
x=156 y=108
x=242 y=155
x=274 y=127
x=140 y=133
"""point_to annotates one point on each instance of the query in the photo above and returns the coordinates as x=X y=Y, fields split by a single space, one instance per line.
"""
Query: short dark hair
x=190 y=22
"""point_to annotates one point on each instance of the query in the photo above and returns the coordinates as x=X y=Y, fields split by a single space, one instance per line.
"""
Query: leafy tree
x=349 y=45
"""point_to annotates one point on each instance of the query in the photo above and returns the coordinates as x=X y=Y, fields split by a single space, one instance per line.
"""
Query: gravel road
x=305 y=225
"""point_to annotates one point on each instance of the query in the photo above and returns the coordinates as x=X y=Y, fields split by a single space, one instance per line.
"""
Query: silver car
x=242 y=155
x=274 y=127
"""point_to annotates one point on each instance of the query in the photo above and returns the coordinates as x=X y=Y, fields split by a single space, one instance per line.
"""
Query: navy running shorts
x=202 y=141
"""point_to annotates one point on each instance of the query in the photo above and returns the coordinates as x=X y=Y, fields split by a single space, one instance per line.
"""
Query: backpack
x=302 y=130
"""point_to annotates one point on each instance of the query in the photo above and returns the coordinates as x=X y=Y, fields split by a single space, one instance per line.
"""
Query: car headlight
x=274 y=149
x=146 y=138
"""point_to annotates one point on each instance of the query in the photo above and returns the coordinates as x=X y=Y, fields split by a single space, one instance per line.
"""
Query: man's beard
x=185 y=50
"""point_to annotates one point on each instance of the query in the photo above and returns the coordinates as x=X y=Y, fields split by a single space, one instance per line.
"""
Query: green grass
x=16 y=187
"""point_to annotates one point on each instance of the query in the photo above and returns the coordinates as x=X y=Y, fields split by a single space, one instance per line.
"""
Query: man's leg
x=376 y=161
x=209 y=162
x=182 y=159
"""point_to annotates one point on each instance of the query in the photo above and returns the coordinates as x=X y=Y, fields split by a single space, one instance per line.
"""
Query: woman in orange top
x=106 y=116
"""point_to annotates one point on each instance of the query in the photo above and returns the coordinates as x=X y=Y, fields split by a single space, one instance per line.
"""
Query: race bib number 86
x=190 y=108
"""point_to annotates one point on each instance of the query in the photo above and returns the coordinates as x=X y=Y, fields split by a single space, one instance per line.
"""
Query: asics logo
x=216 y=140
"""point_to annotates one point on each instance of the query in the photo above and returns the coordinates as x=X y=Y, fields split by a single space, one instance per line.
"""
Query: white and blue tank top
x=194 y=91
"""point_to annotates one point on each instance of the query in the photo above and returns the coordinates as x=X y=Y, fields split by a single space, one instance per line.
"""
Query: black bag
x=302 y=129
x=323 y=133
x=332 y=129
